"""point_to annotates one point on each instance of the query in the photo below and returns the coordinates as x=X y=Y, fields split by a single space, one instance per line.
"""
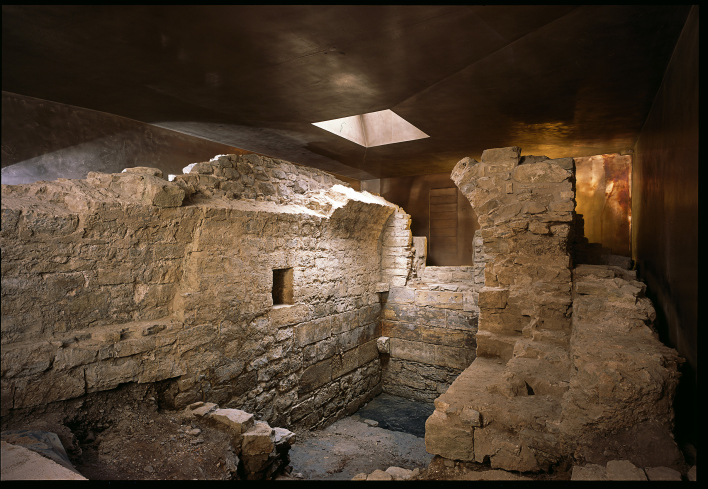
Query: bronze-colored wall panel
x=665 y=212
x=414 y=195
x=603 y=197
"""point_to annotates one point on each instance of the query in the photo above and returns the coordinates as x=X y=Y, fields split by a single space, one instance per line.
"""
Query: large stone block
x=404 y=295
x=466 y=321
x=313 y=331
x=236 y=420
x=439 y=299
x=494 y=298
x=413 y=350
x=258 y=440
x=285 y=316
x=315 y=375
x=504 y=452
x=449 y=437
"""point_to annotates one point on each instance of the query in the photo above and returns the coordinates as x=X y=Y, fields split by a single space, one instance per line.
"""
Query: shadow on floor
x=398 y=414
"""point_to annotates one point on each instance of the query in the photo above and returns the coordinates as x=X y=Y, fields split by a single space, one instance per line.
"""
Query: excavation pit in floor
x=398 y=414
x=351 y=446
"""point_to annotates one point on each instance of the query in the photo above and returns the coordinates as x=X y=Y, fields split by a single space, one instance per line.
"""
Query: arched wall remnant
x=129 y=277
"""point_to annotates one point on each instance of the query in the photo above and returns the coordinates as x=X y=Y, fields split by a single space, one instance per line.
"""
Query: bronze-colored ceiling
x=555 y=80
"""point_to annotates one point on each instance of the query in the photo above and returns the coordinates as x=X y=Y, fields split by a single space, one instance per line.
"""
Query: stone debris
x=379 y=475
x=391 y=473
x=624 y=470
x=261 y=450
x=589 y=472
x=45 y=443
x=399 y=473
x=662 y=474
x=20 y=463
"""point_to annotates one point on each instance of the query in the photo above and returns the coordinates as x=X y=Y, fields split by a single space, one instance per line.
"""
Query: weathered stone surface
x=662 y=474
x=104 y=283
x=145 y=170
x=383 y=344
x=502 y=155
x=449 y=438
x=399 y=473
x=441 y=299
x=203 y=409
x=379 y=475
x=258 y=440
x=589 y=472
x=238 y=421
x=283 y=437
x=624 y=470
x=533 y=407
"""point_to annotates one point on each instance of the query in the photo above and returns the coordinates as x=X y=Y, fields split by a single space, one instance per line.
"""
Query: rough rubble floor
x=136 y=441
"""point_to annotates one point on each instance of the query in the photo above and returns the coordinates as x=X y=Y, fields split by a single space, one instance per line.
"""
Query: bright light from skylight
x=373 y=129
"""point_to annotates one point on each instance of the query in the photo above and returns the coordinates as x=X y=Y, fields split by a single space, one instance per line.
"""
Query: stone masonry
x=431 y=324
x=132 y=278
x=565 y=368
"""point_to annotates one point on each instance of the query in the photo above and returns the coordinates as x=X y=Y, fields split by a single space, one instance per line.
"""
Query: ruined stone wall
x=567 y=366
x=254 y=177
x=525 y=211
x=131 y=278
x=431 y=323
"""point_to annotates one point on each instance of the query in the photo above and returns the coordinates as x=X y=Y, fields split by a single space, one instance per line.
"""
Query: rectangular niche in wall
x=282 y=286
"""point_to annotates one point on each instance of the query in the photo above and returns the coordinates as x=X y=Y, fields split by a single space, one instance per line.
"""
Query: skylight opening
x=373 y=129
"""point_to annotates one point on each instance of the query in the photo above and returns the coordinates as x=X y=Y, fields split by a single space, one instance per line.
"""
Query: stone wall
x=254 y=177
x=131 y=278
x=563 y=369
x=431 y=324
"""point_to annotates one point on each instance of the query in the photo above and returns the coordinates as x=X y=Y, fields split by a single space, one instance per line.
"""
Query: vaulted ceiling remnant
x=555 y=80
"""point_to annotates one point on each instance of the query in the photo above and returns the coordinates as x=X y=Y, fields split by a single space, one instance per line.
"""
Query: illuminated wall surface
x=603 y=197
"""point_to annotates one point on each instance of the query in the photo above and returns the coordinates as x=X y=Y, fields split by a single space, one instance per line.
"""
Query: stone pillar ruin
x=538 y=390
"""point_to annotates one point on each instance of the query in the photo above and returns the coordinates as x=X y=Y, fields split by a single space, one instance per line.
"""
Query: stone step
x=540 y=376
x=496 y=345
x=448 y=275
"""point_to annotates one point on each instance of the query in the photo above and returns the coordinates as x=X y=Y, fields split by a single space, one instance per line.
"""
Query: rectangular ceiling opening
x=282 y=286
x=373 y=129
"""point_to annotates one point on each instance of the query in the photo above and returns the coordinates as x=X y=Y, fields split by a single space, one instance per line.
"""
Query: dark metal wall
x=413 y=194
x=43 y=140
x=665 y=199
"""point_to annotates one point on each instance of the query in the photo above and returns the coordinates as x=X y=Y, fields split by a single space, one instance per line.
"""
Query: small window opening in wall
x=282 y=286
